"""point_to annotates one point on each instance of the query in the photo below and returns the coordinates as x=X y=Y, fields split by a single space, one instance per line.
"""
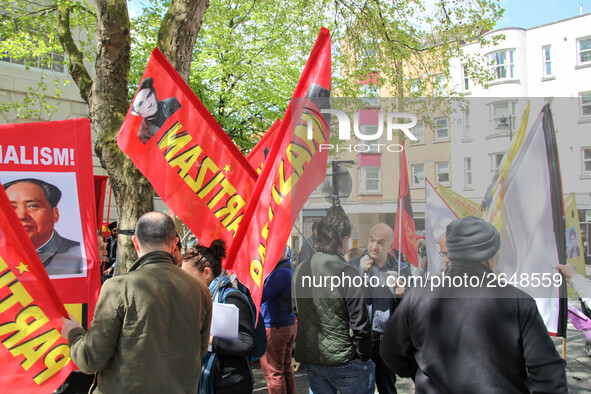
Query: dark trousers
x=385 y=377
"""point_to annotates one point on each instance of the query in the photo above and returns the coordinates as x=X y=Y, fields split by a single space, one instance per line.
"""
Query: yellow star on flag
x=227 y=168
x=22 y=268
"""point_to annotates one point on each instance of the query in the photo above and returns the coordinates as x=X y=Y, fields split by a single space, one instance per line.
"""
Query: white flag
x=437 y=216
x=529 y=250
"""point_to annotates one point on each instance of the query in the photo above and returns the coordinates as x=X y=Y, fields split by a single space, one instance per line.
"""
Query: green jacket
x=149 y=332
x=333 y=329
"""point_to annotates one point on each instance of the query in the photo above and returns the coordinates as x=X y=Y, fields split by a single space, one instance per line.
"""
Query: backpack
x=260 y=333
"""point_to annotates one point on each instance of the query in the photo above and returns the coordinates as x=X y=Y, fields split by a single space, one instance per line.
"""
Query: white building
x=548 y=63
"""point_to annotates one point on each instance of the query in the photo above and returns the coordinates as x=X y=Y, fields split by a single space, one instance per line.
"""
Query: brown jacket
x=150 y=330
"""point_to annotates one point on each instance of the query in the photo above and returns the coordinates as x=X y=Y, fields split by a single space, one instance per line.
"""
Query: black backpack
x=259 y=330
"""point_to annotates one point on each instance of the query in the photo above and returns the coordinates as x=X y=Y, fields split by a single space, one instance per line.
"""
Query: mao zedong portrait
x=35 y=202
x=153 y=112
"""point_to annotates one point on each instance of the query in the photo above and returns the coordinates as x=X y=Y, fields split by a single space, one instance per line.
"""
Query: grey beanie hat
x=472 y=239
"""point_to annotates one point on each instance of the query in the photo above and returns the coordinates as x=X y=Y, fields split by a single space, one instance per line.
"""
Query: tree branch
x=77 y=68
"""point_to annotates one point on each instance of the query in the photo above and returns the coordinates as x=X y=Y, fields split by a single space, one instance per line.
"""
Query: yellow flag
x=490 y=209
x=458 y=203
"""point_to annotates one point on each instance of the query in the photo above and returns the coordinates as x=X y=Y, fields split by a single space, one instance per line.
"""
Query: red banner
x=293 y=168
x=34 y=357
x=100 y=187
x=46 y=169
x=404 y=226
x=193 y=165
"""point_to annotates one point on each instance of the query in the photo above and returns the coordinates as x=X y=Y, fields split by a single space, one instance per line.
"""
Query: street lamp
x=506 y=122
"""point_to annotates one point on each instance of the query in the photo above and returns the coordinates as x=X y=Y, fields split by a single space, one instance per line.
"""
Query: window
x=501 y=65
x=467 y=172
x=441 y=129
x=370 y=180
x=370 y=130
x=586 y=160
x=503 y=117
x=417 y=172
x=416 y=87
x=442 y=172
x=546 y=61
x=419 y=132
x=439 y=85
x=467 y=135
x=585 y=105
x=584 y=51
x=495 y=160
x=466 y=78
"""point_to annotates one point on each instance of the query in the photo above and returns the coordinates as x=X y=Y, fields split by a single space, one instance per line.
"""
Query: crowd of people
x=151 y=326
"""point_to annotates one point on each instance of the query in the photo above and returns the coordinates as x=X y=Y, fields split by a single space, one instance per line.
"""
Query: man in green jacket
x=150 y=326
x=334 y=341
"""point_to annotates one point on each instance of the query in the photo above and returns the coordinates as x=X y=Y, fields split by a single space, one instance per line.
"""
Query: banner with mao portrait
x=46 y=170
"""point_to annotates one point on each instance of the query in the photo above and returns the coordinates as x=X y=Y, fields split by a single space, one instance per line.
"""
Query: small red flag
x=404 y=227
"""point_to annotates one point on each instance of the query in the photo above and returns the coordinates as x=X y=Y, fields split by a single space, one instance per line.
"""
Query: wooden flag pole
x=564 y=348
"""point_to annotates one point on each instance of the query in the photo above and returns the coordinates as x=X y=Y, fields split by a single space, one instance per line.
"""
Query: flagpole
x=399 y=231
x=399 y=211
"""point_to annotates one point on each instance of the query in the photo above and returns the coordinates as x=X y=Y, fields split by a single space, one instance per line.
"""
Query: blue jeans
x=355 y=377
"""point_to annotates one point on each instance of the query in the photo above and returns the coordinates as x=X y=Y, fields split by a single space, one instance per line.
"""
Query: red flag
x=294 y=162
x=192 y=163
x=404 y=226
x=34 y=357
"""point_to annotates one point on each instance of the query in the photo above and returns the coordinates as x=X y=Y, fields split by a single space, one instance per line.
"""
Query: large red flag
x=34 y=357
x=294 y=163
x=404 y=226
x=192 y=163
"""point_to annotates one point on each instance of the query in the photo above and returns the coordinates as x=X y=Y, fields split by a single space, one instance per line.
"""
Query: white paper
x=224 y=321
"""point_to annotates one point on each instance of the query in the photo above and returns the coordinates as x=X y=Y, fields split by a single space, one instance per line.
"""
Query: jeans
x=385 y=377
x=355 y=377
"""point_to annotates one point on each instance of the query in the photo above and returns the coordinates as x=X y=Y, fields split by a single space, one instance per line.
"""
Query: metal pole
x=399 y=233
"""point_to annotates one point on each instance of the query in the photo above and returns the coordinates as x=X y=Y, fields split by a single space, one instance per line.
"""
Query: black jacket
x=233 y=366
x=472 y=340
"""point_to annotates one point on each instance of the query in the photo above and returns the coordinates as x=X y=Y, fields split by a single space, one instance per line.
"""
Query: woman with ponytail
x=226 y=368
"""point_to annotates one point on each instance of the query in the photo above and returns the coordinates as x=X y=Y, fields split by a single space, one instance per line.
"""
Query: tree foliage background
x=241 y=58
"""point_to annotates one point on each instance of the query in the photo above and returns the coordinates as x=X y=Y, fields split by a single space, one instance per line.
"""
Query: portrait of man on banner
x=54 y=233
x=153 y=112
x=572 y=243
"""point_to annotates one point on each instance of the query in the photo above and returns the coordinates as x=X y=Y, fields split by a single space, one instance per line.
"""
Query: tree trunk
x=108 y=107
x=108 y=101
x=179 y=30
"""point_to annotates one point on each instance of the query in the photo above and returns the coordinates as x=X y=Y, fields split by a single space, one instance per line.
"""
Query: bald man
x=375 y=266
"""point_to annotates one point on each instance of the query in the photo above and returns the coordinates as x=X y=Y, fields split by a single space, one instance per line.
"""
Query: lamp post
x=507 y=122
